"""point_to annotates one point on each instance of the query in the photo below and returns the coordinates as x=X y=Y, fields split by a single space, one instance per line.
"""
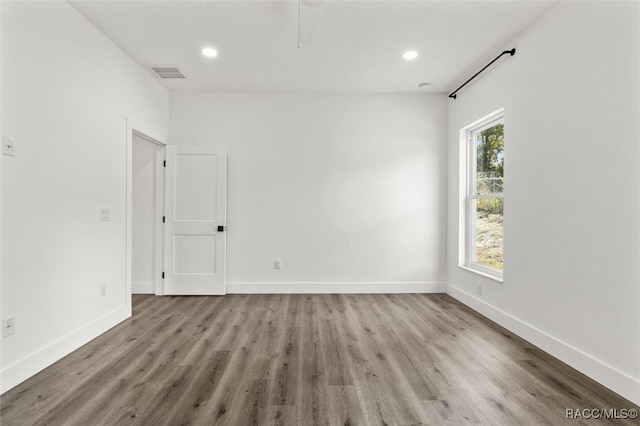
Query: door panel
x=193 y=254
x=195 y=205
x=195 y=187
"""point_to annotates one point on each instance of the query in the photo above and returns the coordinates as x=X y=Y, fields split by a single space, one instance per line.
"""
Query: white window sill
x=485 y=274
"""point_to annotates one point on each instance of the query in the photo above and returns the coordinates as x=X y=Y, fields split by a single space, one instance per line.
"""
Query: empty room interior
x=331 y=212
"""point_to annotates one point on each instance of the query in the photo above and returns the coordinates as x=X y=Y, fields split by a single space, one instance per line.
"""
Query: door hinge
x=163 y=275
x=164 y=163
x=163 y=219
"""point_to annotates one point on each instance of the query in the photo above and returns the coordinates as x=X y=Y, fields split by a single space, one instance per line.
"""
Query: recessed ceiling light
x=209 y=52
x=410 y=55
x=425 y=84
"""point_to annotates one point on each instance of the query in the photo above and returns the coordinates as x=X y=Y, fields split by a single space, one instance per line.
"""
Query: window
x=484 y=200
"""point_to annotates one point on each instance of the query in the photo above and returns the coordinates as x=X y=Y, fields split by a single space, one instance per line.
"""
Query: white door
x=195 y=219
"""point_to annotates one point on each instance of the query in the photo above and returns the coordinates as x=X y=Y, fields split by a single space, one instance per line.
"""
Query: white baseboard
x=143 y=288
x=333 y=287
x=608 y=376
x=21 y=370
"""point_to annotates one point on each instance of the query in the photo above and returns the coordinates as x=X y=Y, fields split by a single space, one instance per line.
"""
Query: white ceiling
x=347 y=46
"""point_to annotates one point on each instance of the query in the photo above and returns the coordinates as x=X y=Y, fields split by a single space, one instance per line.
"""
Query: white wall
x=572 y=198
x=67 y=93
x=144 y=215
x=348 y=190
x=1 y=184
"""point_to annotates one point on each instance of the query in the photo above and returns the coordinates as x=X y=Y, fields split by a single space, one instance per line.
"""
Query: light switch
x=8 y=146
x=105 y=214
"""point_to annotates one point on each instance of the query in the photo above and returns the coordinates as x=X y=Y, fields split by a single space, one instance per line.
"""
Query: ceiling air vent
x=166 y=71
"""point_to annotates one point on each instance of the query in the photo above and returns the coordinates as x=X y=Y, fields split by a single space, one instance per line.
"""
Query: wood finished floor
x=305 y=360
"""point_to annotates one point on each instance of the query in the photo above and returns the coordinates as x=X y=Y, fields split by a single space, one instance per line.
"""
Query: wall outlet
x=103 y=289
x=479 y=288
x=105 y=214
x=8 y=146
x=277 y=264
x=8 y=327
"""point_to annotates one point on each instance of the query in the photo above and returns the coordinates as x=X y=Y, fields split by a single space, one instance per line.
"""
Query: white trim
x=608 y=376
x=21 y=370
x=484 y=121
x=143 y=288
x=333 y=287
x=480 y=270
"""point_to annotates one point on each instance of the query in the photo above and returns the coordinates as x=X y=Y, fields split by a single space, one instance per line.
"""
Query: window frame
x=468 y=194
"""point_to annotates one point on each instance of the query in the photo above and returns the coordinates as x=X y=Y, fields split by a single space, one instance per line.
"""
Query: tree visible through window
x=485 y=201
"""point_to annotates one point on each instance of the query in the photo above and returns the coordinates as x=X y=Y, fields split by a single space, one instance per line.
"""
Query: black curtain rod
x=511 y=52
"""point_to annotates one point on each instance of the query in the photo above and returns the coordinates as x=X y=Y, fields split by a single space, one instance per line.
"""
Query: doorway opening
x=145 y=205
x=146 y=224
